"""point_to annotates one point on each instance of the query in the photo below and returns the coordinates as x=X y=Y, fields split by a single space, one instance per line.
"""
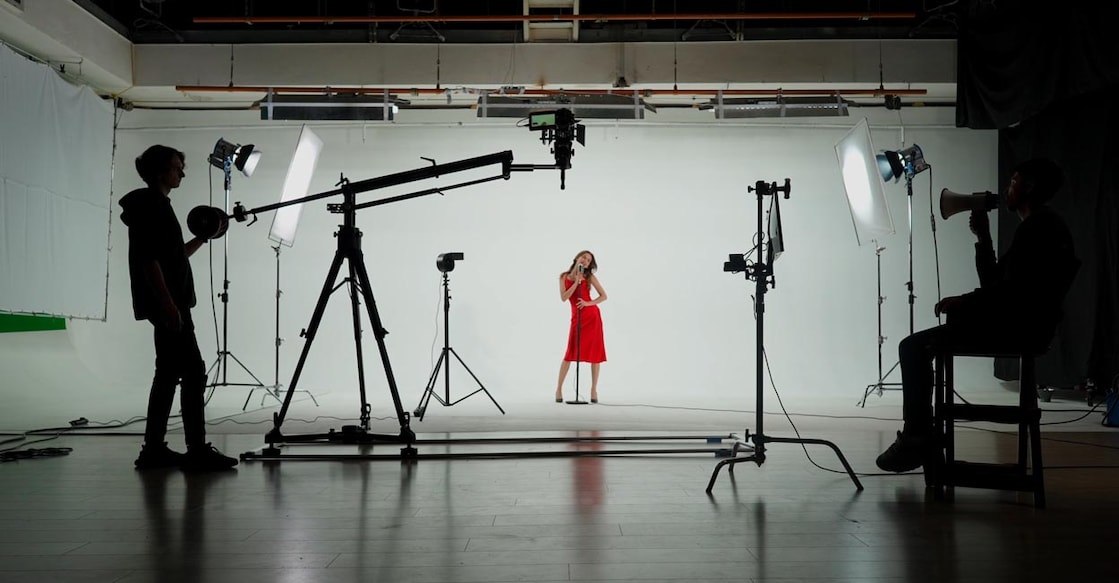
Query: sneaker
x=905 y=454
x=206 y=458
x=157 y=456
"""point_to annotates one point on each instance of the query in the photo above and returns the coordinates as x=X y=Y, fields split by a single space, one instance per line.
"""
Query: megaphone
x=954 y=202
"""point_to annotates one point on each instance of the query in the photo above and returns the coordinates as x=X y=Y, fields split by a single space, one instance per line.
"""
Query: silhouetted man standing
x=163 y=294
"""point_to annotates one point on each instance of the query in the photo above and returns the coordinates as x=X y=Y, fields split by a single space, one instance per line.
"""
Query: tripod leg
x=809 y=441
x=215 y=368
x=355 y=311
x=309 y=334
x=406 y=433
x=245 y=368
x=475 y=377
x=429 y=390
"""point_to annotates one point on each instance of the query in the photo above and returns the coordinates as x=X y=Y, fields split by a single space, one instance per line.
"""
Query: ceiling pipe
x=553 y=18
x=545 y=92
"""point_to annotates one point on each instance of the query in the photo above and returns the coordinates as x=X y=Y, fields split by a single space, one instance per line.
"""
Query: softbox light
x=862 y=181
x=297 y=182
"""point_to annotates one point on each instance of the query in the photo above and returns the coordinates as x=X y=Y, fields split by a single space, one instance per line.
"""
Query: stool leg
x=949 y=381
x=934 y=460
x=1028 y=402
x=1025 y=382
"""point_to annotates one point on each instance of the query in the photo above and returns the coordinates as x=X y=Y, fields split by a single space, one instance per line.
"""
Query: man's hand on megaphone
x=980 y=225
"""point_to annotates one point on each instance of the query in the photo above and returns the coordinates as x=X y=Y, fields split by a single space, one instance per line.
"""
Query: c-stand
x=761 y=273
x=349 y=251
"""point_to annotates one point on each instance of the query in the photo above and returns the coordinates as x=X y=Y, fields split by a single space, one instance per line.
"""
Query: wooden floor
x=89 y=516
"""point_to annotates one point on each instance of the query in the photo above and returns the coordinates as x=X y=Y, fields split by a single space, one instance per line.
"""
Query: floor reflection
x=175 y=508
x=589 y=482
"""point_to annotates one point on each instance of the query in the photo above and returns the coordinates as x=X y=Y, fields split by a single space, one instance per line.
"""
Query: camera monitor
x=541 y=120
x=774 y=232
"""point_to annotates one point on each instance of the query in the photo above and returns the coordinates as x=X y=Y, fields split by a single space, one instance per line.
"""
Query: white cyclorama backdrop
x=56 y=144
x=661 y=206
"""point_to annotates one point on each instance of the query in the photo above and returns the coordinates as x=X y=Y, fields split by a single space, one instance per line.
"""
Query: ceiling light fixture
x=621 y=106
x=779 y=106
x=330 y=107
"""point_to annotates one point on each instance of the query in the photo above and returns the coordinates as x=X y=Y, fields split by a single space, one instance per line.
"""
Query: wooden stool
x=1025 y=475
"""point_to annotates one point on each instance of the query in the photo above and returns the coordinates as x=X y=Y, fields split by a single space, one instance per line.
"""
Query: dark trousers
x=177 y=360
x=916 y=354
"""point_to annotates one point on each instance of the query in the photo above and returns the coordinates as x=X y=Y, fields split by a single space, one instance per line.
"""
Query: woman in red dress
x=584 y=340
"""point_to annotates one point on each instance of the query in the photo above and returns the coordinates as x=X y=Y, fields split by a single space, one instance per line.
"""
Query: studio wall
x=660 y=204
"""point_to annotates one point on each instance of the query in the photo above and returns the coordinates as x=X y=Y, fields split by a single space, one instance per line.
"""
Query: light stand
x=358 y=283
x=279 y=341
x=429 y=391
x=224 y=155
x=908 y=163
x=762 y=274
x=274 y=390
x=881 y=385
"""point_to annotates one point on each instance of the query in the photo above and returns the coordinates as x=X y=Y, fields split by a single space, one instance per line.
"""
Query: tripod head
x=770 y=241
x=764 y=188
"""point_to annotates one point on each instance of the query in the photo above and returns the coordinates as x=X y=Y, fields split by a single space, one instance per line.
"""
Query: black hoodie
x=1022 y=292
x=154 y=234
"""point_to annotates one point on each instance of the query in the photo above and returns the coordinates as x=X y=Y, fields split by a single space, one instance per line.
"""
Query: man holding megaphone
x=1016 y=307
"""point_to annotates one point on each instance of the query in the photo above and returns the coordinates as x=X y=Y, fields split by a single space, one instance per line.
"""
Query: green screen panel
x=30 y=323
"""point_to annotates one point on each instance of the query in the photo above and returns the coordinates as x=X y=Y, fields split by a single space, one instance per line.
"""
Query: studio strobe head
x=446 y=261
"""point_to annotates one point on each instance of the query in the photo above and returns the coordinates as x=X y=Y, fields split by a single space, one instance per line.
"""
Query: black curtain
x=1046 y=76
x=1015 y=59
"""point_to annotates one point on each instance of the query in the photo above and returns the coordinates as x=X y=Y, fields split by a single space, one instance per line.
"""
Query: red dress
x=584 y=341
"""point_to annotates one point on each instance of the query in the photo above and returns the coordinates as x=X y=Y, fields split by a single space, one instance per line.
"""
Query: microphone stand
x=578 y=345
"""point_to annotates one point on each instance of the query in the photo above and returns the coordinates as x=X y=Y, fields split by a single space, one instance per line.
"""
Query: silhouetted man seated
x=1016 y=307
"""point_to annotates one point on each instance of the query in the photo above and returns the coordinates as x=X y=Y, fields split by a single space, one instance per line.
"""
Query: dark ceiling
x=501 y=21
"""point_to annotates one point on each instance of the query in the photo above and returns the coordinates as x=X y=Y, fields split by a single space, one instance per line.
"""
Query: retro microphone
x=955 y=202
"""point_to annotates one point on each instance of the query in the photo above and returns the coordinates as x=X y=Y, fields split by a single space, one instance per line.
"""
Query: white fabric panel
x=55 y=186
